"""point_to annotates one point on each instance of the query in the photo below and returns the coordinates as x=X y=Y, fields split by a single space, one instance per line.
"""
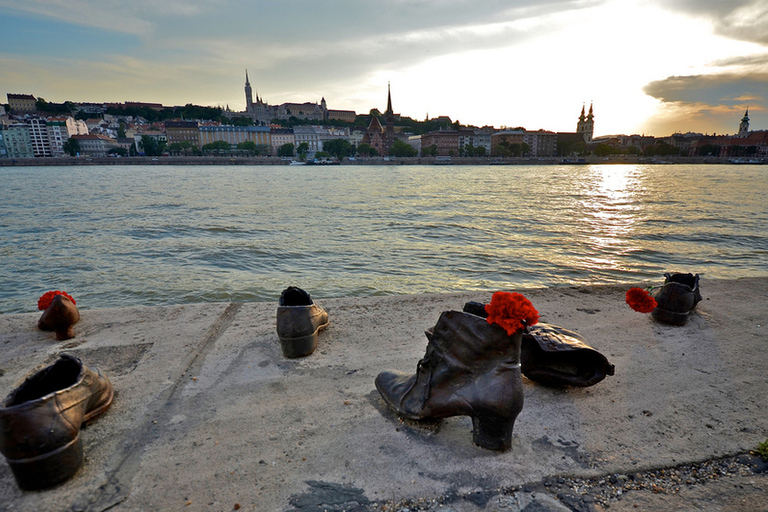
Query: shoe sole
x=301 y=346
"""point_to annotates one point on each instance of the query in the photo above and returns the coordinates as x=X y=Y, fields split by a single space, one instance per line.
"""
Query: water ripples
x=135 y=235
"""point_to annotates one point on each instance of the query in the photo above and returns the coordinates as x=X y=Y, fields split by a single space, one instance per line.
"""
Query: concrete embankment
x=209 y=415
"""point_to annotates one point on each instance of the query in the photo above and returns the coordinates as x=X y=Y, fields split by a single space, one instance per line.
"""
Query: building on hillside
x=3 y=150
x=58 y=134
x=179 y=132
x=470 y=140
x=348 y=116
x=21 y=103
x=18 y=143
x=94 y=144
x=280 y=137
x=505 y=138
x=541 y=143
x=445 y=142
x=234 y=135
x=263 y=113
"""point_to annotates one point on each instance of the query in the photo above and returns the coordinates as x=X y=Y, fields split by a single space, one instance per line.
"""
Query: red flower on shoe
x=45 y=301
x=512 y=311
x=640 y=300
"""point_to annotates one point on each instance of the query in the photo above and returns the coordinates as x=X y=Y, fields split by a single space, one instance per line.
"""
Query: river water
x=155 y=235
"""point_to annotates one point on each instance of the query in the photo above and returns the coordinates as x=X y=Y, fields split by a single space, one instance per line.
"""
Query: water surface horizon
x=115 y=236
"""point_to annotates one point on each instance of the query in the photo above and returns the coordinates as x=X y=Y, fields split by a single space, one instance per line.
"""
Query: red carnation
x=45 y=301
x=512 y=311
x=640 y=300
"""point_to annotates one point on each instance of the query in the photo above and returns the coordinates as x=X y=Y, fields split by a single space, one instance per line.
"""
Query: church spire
x=248 y=94
x=744 y=126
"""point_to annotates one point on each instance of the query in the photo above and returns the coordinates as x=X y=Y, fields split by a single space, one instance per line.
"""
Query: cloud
x=744 y=20
x=717 y=89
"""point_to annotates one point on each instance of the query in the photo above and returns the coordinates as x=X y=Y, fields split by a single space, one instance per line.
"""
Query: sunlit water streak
x=149 y=235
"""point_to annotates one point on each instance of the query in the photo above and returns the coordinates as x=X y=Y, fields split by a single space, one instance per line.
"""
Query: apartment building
x=182 y=131
x=281 y=137
x=446 y=142
x=95 y=144
x=234 y=135
x=18 y=143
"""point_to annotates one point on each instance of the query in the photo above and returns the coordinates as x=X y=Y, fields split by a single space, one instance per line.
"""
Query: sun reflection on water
x=611 y=211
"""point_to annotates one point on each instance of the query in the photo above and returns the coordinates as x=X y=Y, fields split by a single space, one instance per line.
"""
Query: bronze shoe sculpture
x=60 y=316
x=40 y=421
x=471 y=368
x=299 y=321
x=555 y=356
x=677 y=298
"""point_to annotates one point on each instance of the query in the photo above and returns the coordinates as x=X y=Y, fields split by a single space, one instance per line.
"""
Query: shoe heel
x=299 y=347
x=48 y=469
x=492 y=432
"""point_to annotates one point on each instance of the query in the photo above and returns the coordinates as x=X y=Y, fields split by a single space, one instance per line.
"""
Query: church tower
x=586 y=124
x=389 y=117
x=248 y=94
x=744 y=126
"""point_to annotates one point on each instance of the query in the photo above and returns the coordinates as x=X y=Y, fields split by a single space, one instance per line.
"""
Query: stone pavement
x=209 y=415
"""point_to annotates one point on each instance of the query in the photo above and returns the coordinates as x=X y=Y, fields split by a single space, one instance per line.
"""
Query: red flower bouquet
x=512 y=311
x=45 y=301
x=640 y=300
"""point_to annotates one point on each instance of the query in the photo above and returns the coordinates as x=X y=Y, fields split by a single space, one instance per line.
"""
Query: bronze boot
x=471 y=368
x=60 y=316
x=40 y=421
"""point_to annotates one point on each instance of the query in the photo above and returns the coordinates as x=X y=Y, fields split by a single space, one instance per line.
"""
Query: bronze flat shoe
x=299 y=321
x=677 y=298
x=471 y=368
x=40 y=421
x=555 y=356
x=60 y=316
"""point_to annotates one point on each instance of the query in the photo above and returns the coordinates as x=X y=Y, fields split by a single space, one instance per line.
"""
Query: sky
x=652 y=67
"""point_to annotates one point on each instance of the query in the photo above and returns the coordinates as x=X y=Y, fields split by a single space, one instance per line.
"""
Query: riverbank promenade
x=209 y=415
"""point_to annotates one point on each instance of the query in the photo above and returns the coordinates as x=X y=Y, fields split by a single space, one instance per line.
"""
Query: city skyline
x=648 y=67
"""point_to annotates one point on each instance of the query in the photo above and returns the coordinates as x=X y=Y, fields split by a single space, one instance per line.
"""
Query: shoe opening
x=61 y=375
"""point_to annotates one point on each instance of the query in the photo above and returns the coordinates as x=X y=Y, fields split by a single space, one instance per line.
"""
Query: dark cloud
x=743 y=20
x=728 y=89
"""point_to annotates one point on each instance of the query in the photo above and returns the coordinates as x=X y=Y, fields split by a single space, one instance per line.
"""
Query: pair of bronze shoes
x=473 y=368
x=40 y=421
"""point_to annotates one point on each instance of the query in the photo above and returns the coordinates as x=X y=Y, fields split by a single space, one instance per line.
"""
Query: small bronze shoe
x=60 y=316
x=40 y=421
x=299 y=321
x=677 y=298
